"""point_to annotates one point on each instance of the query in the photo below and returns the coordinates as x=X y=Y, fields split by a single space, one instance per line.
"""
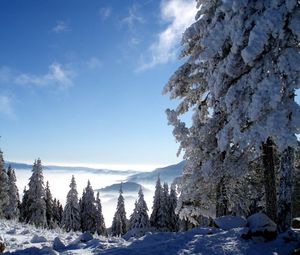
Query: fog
x=59 y=181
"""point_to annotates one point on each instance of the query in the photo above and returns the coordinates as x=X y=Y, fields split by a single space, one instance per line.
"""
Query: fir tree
x=155 y=219
x=139 y=219
x=36 y=196
x=119 y=224
x=71 y=214
x=50 y=206
x=24 y=207
x=173 y=221
x=4 y=188
x=100 y=224
x=88 y=210
x=13 y=211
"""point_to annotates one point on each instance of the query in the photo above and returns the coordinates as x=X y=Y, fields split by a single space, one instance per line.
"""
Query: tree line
x=38 y=207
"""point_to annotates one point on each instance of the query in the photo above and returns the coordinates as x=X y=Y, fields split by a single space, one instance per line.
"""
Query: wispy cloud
x=57 y=76
x=93 y=63
x=133 y=17
x=6 y=106
x=60 y=27
x=105 y=12
x=179 y=14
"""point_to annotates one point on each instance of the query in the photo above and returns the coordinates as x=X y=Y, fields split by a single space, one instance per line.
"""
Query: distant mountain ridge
x=167 y=174
x=126 y=186
x=23 y=166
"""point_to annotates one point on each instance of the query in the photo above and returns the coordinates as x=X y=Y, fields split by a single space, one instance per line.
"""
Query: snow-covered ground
x=24 y=239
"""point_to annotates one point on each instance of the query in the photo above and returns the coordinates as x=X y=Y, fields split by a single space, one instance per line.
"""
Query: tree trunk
x=296 y=187
x=269 y=179
x=222 y=202
x=286 y=172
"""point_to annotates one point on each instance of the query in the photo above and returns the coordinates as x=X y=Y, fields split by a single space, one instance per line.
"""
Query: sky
x=81 y=81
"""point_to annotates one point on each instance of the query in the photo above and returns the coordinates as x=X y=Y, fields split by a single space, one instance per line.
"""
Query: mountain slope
x=167 y=174
x=127 y=187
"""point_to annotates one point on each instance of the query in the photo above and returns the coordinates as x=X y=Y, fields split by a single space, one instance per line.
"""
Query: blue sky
x=81 y=81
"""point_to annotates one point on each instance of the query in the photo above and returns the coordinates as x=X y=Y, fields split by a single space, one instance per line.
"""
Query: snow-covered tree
x=71 y=215
x=49 y=206
x=88 y=210
x=119 y=224
x=173 y=219
x=13 y=211
x=139 y=219
x=4 y=188
x=24 y=207
x=242 y=70
x=157 y=218
x=100 y=224
x=57 y=212
x=36 y=196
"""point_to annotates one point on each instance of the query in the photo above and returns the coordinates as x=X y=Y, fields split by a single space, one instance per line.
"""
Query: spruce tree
x=24 y=207
x=4 y=188
x=119 y=224
x=13 y=211
x=88 y=210
x=156 y=215
x=36 y=196
x=100 y=224
x=139 y=219
x=71 y=214
x=173 y=221
x=165 y=206
x=50 y=206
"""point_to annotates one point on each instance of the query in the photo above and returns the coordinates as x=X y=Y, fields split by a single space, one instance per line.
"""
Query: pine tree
x=24 y=207
x=100 y=224
x=13 y=211
x=119 y=224
x=241 y=73
x=71 y=214
x=157 y=211
x=88 y=210
x=4 y=188
x=36 y=196
x=139 y=219
x=50 y=206
x=173 y=221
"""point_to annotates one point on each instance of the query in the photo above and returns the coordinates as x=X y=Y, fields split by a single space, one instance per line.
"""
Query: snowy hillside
x=23 y=239
x=167 y=174
x=126 y=186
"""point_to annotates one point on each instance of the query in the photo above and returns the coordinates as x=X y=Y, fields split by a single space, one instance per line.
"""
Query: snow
x=196 y=241
x=230 y=222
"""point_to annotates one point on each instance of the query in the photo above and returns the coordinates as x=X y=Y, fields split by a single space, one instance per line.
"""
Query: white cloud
x=133 y=17
x=57 y=75
x=179 y=14
x=105 y=13
x=60 y=27
x=5 y=106
x=93 y=63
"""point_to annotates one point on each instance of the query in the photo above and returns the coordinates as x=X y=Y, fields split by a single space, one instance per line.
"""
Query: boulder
x=261 y=228
x=230 y=222
x=38 y=239
x=58 y=245
x=296 y=223
x=85 y=237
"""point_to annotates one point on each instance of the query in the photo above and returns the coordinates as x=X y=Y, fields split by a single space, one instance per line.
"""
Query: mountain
x=167 y=174
x=127 y=187
x=23 y=166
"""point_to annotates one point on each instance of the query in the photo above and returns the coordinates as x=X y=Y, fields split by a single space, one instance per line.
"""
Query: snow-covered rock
x=38 y=239
x=85 y=237
x=261 y=227
x=58 y=245
x=230 y=222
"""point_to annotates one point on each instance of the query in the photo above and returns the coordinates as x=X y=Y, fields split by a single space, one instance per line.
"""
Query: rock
x=85 y=237
x=261 y=228
x=230 y=222
x=296 y=223
x=38 y=239
x=58 y=245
